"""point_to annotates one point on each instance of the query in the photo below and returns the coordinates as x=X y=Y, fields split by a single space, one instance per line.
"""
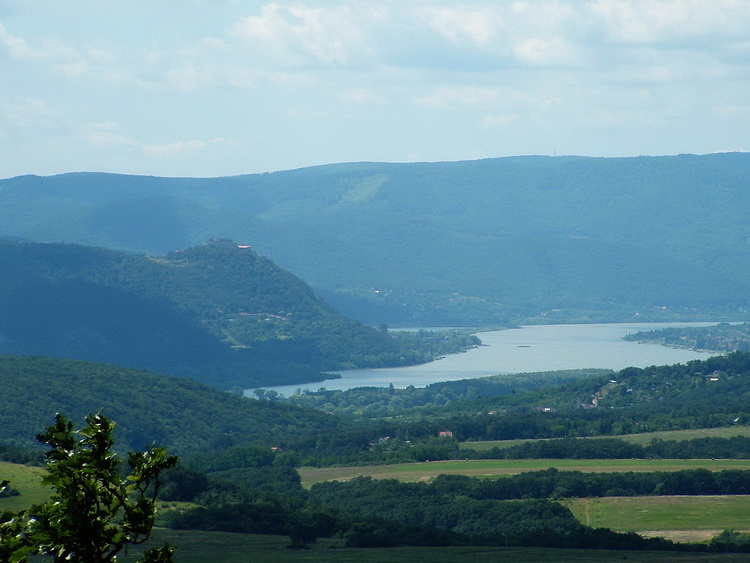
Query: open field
x=680 y=518
x=501 y=467
x=219 y=547
x=222 y=547
x=27 y=481
x=642 y=438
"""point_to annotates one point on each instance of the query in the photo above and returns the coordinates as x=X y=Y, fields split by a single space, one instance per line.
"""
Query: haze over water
x=527 y=349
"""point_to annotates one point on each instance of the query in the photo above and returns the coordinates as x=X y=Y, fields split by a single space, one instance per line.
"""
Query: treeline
x=376 y=402
x=181 y=414
x=369 y=513
x=193 y=419
x=724 y=337
x=700 y=394
x=396 y=450
x=555 y=484
x=736 y=447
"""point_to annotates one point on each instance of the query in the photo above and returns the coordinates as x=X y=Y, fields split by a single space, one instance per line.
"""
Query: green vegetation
x=185 y=415
x=232 y=480
x=374 y=402
x=724 y=337
x=328 y=473
x=218 y=313
x=640 y=439
x=635 y=514
x=426 y=471
x=93 y=512
x=492 y=241
x=196 y=546
x=26 y=481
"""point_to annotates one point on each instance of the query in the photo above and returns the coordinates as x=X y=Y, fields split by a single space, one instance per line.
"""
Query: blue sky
x=215 y=88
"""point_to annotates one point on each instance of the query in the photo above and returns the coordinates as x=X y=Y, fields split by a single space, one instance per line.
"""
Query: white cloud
x=473 y=25
x=300 y=35
x=667 y=21
x=105 y=136
x=50 y=51
x=272 y=74
x=545 y=51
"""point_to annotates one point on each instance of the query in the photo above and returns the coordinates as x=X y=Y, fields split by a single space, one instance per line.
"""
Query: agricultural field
x=679 y=518
x=27 y=481
x=426 y=471
x=642 y=438
x=220 y=547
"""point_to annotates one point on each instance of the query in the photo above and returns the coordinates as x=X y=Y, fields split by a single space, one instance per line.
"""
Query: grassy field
x=642 y=438
x=680 y=518
x=219 y=547
x=501 y=467
x=27 y=481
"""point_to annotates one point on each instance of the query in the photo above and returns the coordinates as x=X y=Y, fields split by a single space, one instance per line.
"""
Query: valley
x=499 y=241
x=529 y=349
x=246 y=324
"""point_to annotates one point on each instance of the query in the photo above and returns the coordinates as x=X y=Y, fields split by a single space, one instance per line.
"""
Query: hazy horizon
x=213 y=88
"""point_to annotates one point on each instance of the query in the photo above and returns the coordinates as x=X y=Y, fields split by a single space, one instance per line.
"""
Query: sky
x=211 y=88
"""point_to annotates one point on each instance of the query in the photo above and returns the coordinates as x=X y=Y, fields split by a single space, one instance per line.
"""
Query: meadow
x=221 y=547
x=642 y=438
x=679 y=518
x=27 y=481
x=426 y=471
x=682 y=518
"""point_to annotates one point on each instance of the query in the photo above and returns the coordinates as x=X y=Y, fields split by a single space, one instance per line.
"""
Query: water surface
x=526 y=349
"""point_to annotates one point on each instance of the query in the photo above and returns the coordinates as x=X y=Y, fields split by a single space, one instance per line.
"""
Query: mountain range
x=495 y=241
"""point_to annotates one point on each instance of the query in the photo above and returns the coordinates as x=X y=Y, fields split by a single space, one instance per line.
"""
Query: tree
x=94 y=512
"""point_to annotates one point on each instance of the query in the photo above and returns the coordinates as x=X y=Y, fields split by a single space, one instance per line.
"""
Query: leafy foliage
x=217 y=313
x=185 y=415
x=724 y=337
x=378 y=402
x=480 y=519
x=94 y=512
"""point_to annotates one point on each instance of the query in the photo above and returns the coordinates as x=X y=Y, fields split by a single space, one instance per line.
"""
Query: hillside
x=707 y=393
x=491 y=241
x=724 y=337
x=218 y=313
x=184 y=415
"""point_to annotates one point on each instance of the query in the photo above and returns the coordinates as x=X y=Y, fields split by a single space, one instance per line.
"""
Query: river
x=525 y=349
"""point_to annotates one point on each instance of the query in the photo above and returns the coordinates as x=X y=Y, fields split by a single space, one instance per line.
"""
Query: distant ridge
x=493 y=241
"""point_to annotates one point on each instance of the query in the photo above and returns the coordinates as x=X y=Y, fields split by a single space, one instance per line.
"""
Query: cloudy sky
x=214 y=88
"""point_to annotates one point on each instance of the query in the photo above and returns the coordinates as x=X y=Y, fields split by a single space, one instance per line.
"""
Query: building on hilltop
x=226 y=243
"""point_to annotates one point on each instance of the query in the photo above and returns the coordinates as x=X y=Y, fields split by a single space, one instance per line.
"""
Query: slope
x=184 y=415
x=218 y=313
x=496 y=240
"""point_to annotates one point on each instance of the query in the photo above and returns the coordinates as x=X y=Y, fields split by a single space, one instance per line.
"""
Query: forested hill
x=518 y=238
x=183 y=415
x=218 y=312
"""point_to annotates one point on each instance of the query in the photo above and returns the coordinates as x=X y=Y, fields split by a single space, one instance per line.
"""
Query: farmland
x=220 y=547
x=414 y=472
x=642 y=438
x=680 y=518
x=27 y=481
